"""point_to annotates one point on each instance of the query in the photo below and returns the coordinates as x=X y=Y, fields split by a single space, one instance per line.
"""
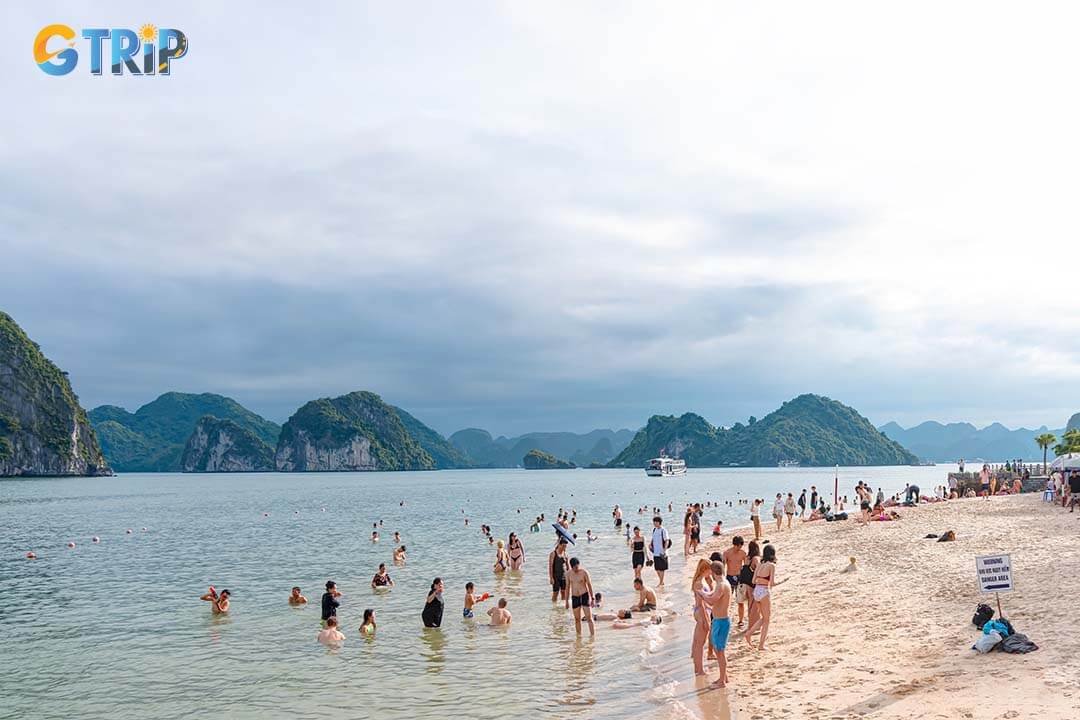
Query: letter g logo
x=68 y=56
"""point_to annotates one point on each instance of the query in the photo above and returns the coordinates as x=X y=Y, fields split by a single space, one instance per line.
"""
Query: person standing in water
x=557 y=573
x=719 y=600
x=367 y=627
x=637 y=552
x=502 y=558
x=296 y=598
x=500 y=615
x=219 y=603
x=617 y=514
x=330 y=601
x=433 y=606
x=330 y=635
x=517 y=552
x=581 y=594
x=658 y=548
x=703 y=577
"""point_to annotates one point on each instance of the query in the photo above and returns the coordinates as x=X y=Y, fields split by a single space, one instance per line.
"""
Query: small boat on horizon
x=788 y=464
x=664 y=466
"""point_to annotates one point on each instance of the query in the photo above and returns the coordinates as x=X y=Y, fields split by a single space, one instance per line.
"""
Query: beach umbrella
x=564 y=533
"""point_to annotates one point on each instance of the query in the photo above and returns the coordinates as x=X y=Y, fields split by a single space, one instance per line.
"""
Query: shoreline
x=893 y=638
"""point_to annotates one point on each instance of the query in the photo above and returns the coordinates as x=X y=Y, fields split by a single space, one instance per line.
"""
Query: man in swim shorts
x=658 y=548
x=646 y=597
x=500 y=615
x=719 y=601
x=581 y=594
x=733 y=559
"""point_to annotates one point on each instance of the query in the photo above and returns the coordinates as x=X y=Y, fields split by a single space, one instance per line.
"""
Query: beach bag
x=983 y=614
x=1018 y=643
x=987 y=642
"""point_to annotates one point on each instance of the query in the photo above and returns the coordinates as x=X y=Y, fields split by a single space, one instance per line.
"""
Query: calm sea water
x=117 y=629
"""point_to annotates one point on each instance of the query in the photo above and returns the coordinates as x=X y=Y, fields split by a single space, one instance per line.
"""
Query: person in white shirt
x=658 y=548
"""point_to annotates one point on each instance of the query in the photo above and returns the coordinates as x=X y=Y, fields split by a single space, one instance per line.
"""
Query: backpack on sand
x=983 y=615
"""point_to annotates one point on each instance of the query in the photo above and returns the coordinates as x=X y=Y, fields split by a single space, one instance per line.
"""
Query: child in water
x=470 y=600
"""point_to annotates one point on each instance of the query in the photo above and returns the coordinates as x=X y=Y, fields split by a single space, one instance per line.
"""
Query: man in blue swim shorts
x=719 y=601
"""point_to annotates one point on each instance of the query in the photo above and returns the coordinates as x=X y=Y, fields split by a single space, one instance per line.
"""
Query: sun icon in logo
x=148 y=33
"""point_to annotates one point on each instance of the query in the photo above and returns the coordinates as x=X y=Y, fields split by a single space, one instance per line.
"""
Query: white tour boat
x=661 y=466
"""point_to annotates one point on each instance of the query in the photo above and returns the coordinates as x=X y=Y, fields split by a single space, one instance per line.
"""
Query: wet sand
x=893 y=639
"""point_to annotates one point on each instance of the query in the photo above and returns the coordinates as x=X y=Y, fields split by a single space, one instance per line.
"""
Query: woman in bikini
x=517 y=552
x=764 y=579
x=637 y=552
x=703 y=581
x=744 y=590
x=502 y=558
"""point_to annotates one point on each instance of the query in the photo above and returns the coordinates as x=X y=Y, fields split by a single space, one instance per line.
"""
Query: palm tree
x=1045 y=441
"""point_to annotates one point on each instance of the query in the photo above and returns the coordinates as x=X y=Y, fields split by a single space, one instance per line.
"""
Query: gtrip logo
x=149 y=51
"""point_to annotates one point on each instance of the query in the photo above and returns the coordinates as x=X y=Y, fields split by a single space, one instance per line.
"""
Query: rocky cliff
x=218 y=445
x=43 y=429
x=153 y=438
x=540 y=460
x=354 y=432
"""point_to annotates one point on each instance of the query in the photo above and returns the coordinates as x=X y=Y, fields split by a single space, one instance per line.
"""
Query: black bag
x=983 y=614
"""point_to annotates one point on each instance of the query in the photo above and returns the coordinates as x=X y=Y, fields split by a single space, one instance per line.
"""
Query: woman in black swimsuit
x=517 y=552
x=433 y=606
x=637 y=552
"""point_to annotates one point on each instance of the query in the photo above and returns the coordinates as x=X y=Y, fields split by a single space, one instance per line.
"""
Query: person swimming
x=382 y=579
x=296 y=598
x=219 y=603
x=399 y=555
x=499 y=614
x=367 y=627
x=330 y=635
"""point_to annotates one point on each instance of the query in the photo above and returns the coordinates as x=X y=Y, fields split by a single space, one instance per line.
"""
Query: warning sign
x=994 y=573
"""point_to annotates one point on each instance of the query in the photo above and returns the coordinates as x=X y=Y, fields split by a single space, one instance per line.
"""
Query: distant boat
x=661 y=466
x=788 y=463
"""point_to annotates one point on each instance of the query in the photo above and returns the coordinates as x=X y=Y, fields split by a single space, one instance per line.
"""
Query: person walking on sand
x=703 y=580
x=581 y=594
x=789 y=509
x=557 y=573
x=734 y=558
x=517 y=552
x=637 y=551
x=813 y=497
x=778 y=511
x=802 y=504
x=658 y=548
x=687 y=520
x=719 y=601
x=764 y=580
x=755 y=517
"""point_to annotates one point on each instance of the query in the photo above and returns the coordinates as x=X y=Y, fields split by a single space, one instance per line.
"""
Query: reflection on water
x=117 y=628
x=435 y=643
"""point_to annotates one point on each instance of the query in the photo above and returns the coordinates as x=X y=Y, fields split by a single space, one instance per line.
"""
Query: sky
x=531 y=216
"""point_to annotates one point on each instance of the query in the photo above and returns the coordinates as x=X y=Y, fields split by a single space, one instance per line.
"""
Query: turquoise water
x=117 y=628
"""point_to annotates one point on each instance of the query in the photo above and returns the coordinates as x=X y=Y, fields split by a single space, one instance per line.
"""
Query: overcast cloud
x=543 y=216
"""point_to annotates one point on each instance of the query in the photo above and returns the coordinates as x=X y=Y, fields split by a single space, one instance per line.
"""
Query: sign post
x=994 y=573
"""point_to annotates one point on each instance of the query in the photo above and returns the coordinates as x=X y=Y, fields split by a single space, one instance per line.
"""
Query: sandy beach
x=893 y=639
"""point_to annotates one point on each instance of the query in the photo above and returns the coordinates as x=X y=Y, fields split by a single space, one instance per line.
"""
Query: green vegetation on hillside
x=540 y=460
x=329 y=425
x=445 y=455
x=811 y=430
x=218 y=445
x=152 y=439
